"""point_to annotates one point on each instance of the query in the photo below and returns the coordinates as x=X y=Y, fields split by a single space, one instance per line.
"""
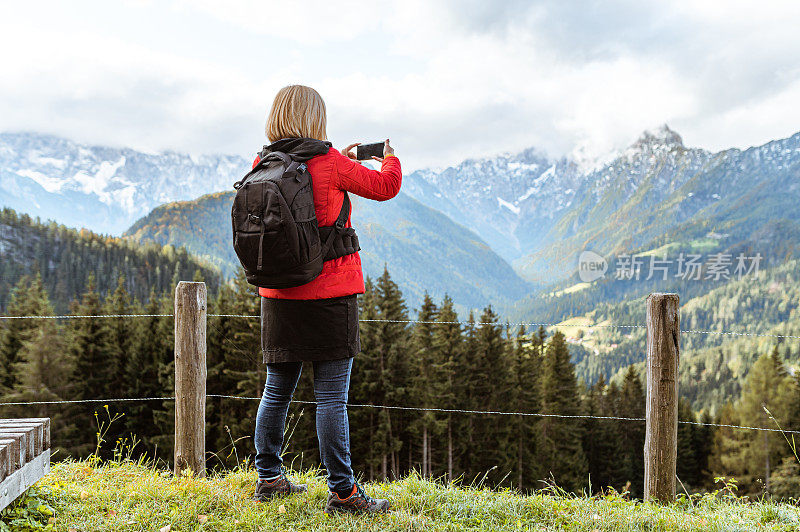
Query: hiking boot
x=280 y=487
x=358 y=502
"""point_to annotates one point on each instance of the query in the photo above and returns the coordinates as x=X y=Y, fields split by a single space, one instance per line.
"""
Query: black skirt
x=294 y=330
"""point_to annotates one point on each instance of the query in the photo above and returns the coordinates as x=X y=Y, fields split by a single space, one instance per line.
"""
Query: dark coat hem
x=309 y=330
x=306 y=354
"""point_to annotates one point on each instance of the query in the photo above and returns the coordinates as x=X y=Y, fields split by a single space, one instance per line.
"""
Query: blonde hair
x=298 y=111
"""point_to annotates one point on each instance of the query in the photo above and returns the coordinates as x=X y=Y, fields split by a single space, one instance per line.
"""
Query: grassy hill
x=128 y=496
x=422 y=247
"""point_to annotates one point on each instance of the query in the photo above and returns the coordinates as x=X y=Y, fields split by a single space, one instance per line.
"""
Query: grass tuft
x=130 y=496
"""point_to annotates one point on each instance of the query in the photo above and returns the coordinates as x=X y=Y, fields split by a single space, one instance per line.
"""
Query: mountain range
x=505 y=230
x=455 y=229
x=101 y=188
x=540 y=213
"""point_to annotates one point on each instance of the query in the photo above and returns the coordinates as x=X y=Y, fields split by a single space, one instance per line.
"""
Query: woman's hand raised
x=348 y=152
x=387 y=150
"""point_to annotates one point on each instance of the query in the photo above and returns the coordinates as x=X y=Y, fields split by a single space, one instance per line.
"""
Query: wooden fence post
x=661 y=433
x=190 y=378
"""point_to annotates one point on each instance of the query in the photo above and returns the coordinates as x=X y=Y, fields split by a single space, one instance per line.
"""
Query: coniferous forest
x=65 y=258
x=444 y=361
x=479 y=364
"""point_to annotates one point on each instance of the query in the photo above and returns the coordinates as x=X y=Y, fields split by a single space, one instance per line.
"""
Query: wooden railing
x=24 y=455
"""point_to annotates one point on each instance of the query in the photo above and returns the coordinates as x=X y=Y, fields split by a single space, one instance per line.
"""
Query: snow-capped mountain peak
x=660 y=136
x=513 y=206
x=101 y=188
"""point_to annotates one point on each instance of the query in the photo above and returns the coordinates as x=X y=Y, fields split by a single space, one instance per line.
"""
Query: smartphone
x=367 y=151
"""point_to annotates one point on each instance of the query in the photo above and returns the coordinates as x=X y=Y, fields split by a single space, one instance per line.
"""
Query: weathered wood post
x=24 y=455
x=661 y=433
x=190 y=378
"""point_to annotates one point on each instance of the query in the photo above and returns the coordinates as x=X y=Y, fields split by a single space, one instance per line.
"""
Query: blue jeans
x=331 y=385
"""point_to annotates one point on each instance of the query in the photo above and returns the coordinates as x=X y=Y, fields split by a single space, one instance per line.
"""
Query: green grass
x=698 y=245
x=132 y=497
x=571 y=289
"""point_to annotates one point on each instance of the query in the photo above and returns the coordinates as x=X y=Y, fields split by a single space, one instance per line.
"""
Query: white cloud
x=445 y=80
x=310 y=21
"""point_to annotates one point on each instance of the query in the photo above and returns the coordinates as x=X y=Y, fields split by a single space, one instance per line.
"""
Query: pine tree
x=492 y=455
x=562 y=451
x=792 y=421
x=468 y=398
x=141 y=370
x=687 y=465
x=392 y=379
x=120 y=334
x=243 y=367
x=602 y=437
x=42 y=368
x=703 y=442
x=422 y=379
x=88 y=345
x=526 y=363
x=447 y=351
x=727 y=457
x=764 y=393
x=13 y=333
x=164 y=352
x=632 y=405
x=364 y=386
x=220 y=329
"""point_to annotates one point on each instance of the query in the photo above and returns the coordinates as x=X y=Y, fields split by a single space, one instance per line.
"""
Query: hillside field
x=80 y=496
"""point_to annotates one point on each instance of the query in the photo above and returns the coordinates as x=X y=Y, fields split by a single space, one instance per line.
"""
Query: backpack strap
x=292 y=167
x=343 y=214
x=338 y=240
x=338 y=226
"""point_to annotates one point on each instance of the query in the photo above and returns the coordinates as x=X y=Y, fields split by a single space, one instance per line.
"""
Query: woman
x=318 y=321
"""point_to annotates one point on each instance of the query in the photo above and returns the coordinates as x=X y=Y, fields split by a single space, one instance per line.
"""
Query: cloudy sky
x=444 y=80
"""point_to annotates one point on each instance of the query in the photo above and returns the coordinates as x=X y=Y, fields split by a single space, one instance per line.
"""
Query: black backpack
x=275 y=231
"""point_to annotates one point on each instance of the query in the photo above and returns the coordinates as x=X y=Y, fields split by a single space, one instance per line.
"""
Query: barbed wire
x=80 y=316
x=533 y=414
x=427 y=322
x=727 y=333
x=412 y=408
x=76 y=401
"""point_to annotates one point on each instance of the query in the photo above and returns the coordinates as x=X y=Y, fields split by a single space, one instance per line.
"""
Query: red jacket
x=332 y=174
